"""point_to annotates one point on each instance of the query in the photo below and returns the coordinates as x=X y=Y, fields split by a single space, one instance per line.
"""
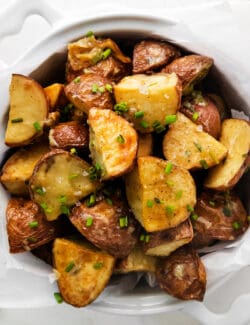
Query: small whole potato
x=202 y=110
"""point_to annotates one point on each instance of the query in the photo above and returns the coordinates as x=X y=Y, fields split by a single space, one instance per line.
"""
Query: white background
x=10 y=49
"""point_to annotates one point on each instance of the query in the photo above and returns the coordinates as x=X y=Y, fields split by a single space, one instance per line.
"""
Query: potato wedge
x=149 y=98
x=136 y=261
x=18 y=169
x=235 y=136
x=190 y=69
x=150 y=55
x=163 y=243
x=69 y=134
x=182 y=274
x=113 y=142
x=220 y=216
x=186 y=145
x=59 y=180
x=89 y=91
x=158 y=193
x=108 y=225
x=55 y=95
x=26 y=226
x=28 y=111
x=145 y=145
x=83 y=270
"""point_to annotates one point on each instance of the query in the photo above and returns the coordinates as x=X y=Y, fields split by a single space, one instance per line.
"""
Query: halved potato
x=190 y=69
x=28 y=111
x=19 y=167
x=145 y=145
x=149 y=98
x=113 y=142
x=163 y=243
x=83 y=270
x=158 y=193
x=182 y=274
x=136 y=261
x=59 y=180
x=186 y=145
x=55 y=95
x=26 y=226
x=235 y=136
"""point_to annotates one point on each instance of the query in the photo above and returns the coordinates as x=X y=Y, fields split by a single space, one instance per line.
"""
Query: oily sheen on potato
x=159 y=192
x=83 y=270
x=28 y=111
x=153 y=97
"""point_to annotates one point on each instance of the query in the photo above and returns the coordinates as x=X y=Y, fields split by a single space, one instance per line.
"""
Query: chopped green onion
x=95 y=172
x=77 y=80
x=123 y=222
x=158 y=127
x=168 y=168
x=198 y=146
x=89 y=33
x=64 y=209
x=91 y=201
x=98 y=167
x=144 y=124
x=89 y=222
x=121 y=107
x=73 y=151
x=45 y=207
x=227 y=211
x=97 y=57
x=120 y=139
x=190 y=208
x=195 y=116
x=58 y=297
x=204 y=164
x=106 y=53
x=33 y=224
x=69 y=267
x=62 y=198
x=178 y=194
x=97 y=89
x=17 y=120
x=170 y=209
x=72 y=176
x=109 y=201
x=150 y=203
x=145 y=238
x=194 y=217
x=170 y=183
x=142 y=237
x=212 y=203
x=109 y=88
x=170 y=119
x=37 y=126
x=32 y=239
x=40 y=190
x=236 y=225
x=139 y=114
x=98 y=265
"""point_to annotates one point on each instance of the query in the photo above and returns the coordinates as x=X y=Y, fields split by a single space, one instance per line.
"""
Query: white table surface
x=10 y=48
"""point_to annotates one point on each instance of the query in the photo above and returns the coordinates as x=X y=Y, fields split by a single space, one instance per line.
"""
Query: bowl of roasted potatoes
x=120 y=156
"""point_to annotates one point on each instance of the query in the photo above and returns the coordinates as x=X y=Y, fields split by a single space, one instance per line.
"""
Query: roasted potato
x=148 y=99
x=163 y=243
x=69 y=134
x=108 y=225
x=186 y=145
x=136 y=261
x=235 y=136
x=202 y=111
x=158 y=193
x=26 y=226
x=59 y=180
x=113 y=142
x=221 y=105
x=182 y=274
x=145 y=145
x=220 y=216
x=150 y=55
x=18 y=169
x=28 y=111
x=190 y=69
x=83 y=270
x=90 y=91
x=55 y=95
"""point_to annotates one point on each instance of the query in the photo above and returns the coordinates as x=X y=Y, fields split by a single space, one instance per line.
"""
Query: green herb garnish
x=106 y=53
x=33 y=224
x=121 y=108
x=150 y=203
x=168 y=168
x=198 y=146
x=69 y=267
x=139 y=114
x=120 y=139
x=17 y=120
x=77 y=80
x=169 y=119
x=89 y=222
x=40 y=190
x=37 y=126
x=144 y=124
x=58 y=297
x=123 y=222
x=98 y=265
x=204 y=164
x=236 y=225
x=91 y=201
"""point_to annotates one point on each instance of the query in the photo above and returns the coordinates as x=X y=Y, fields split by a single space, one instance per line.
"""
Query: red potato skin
x=20 y=212
x=150 y=55
x=213 y=223
x=188 y=284
x=209 y=116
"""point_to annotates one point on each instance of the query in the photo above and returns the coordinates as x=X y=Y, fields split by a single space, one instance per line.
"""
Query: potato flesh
x=89 y=275
x=53 y=93
x=145 y=145
x=186 y=145
x=149 y=181
x=156 y=96
x=28 y=102
x=60 y=175
x=235 y=136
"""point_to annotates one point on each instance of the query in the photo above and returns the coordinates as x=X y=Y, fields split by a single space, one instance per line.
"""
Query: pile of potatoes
x=127 y=165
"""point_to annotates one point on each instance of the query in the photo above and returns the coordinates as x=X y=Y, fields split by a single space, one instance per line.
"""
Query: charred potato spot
x=89 y=91
x=190 y=69
x=149 y=55
x=89 y=273
x=26 y=226
x=221 y=216
x=182 y=274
